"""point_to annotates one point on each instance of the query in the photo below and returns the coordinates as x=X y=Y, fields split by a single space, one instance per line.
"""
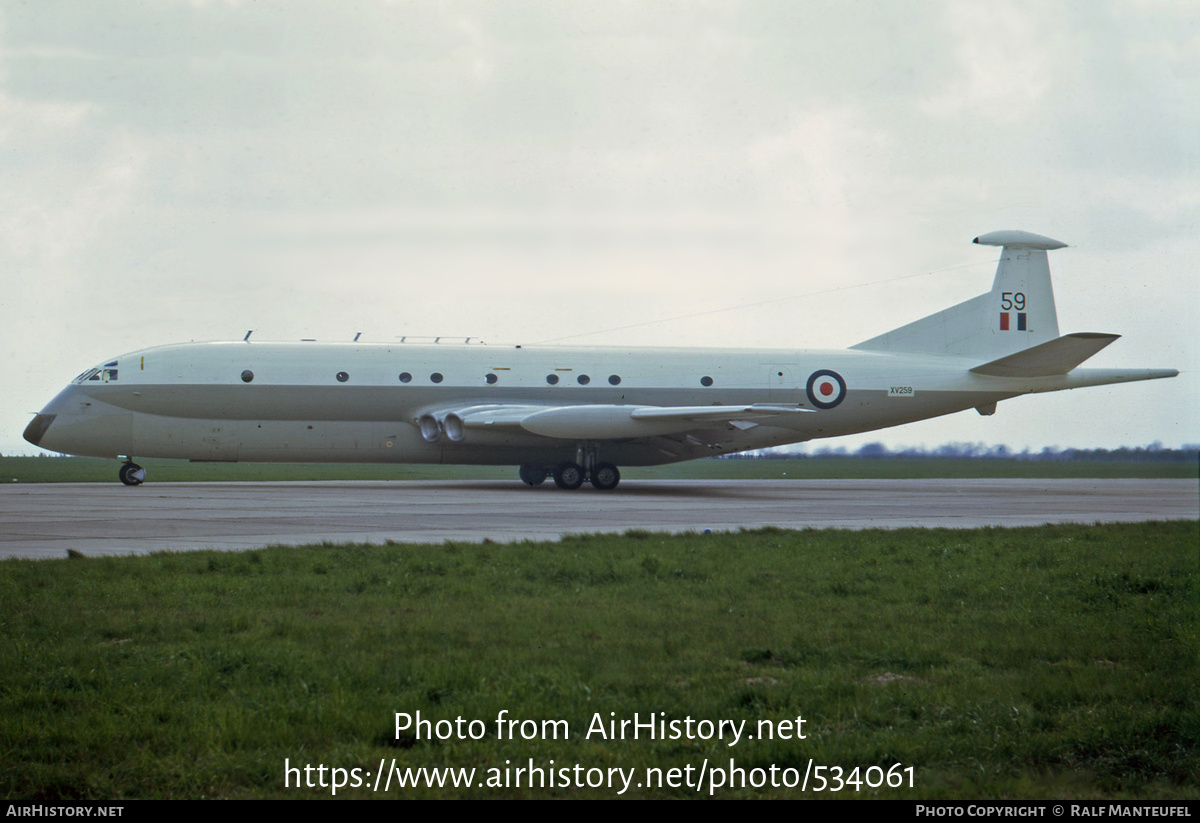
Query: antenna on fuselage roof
x=246 y=339
x=356 y=336
x=418 y=338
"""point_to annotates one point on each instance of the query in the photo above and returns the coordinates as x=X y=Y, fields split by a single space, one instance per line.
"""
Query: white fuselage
x=573 y=412
x=352 y=402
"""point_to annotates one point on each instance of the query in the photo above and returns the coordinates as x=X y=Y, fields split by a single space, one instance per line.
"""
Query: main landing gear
x=532 y=475
x=569 y=476
x=132 y=474
x=603 y=476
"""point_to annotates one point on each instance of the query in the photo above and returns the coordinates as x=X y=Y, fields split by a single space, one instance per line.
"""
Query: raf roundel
x=826 y=389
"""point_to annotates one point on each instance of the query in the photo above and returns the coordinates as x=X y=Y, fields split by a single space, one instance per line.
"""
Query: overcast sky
x=527 y=172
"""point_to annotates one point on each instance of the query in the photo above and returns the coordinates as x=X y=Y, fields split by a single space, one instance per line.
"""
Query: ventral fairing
x=573 y=414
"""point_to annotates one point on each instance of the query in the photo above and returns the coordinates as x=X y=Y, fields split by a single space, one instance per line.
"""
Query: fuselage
x=358 y=402
x=572 y=412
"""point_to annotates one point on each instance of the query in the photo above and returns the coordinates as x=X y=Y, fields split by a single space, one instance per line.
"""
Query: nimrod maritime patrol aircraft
x=573 y=414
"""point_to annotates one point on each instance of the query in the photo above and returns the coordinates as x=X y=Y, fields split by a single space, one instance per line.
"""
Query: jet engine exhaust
x=452 y=424
x=430 y=429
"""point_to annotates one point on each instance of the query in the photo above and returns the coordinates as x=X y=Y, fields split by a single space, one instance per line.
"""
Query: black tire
x=532 y=475
x=568 y=476
x=132 y=474
x=605 y=476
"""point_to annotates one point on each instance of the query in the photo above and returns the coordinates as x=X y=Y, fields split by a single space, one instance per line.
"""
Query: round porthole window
x=706 y=381
x=614 y=379
x=584 y=380
x=552 y=379
x=491 y=379
x=405 y=377
x=342 y=377
x=436 y=377
x=247 y=376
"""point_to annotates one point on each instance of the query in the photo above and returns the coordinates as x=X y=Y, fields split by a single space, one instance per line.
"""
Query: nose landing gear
x=132 y=474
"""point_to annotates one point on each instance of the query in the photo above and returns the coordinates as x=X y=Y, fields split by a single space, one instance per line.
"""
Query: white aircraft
x=571 y=413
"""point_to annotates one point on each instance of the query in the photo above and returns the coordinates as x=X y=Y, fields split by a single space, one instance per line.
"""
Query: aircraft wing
x=601 y=422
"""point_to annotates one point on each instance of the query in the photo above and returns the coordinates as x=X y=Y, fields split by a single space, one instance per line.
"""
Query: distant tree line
x=1153 y=453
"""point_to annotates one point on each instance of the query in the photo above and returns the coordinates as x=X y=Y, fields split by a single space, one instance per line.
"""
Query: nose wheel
x=132 y=474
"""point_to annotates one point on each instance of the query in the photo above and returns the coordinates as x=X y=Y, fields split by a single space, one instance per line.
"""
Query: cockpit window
x=106 y=375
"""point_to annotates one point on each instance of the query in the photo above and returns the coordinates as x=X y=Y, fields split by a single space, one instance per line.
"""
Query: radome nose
x=36 y=429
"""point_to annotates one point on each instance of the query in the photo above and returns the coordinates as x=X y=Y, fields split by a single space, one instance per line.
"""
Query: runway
x=44 y=521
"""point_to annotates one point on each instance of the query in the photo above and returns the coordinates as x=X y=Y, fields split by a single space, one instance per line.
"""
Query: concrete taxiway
x=45 y=521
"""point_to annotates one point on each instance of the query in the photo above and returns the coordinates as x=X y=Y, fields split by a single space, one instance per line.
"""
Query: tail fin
x=1016 y=314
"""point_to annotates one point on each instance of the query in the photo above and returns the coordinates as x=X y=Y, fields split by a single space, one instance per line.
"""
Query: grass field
x=1052 y=662
x=87 y=470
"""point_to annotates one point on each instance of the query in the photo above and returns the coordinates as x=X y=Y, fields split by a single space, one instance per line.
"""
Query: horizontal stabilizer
x=1056 y=356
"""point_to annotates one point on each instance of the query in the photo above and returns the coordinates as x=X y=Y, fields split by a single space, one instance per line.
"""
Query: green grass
x=92 y=470
x=1052 y=662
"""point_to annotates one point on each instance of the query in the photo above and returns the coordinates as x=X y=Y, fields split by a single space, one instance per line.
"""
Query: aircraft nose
x=36 y=429
x=76 y=423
